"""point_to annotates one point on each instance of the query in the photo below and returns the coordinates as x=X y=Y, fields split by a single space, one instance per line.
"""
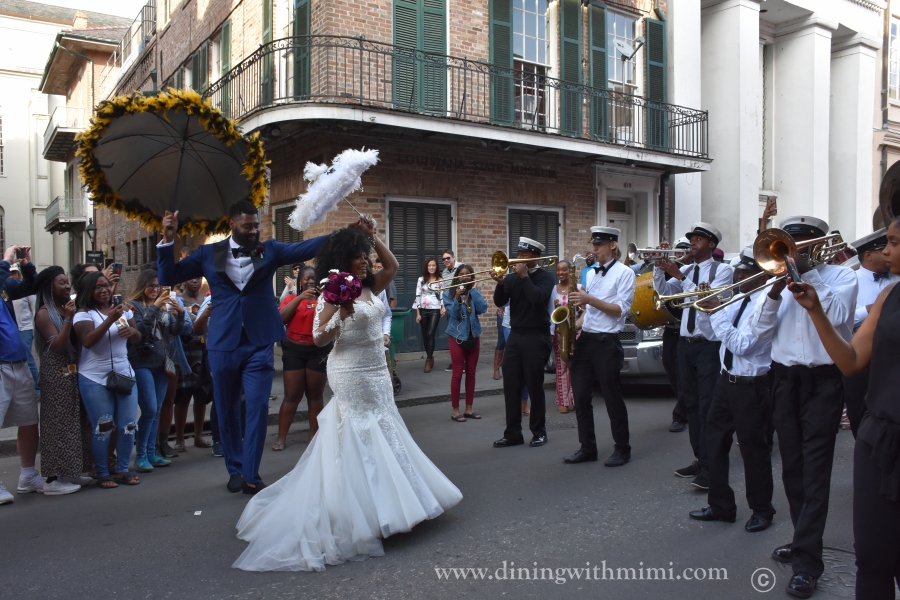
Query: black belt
x=600 y=337
x=694 y=339
x=742 y=378
x=11 y=362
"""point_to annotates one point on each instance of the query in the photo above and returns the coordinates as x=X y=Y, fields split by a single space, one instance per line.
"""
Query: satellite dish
x=624 y=49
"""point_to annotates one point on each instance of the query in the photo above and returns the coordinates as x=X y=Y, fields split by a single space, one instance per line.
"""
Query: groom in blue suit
x=246 y=324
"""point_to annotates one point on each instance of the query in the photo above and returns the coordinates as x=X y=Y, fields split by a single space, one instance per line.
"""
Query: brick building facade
x=493 y=118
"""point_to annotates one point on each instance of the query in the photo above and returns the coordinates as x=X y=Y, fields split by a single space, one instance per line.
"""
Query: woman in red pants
x=464 y=303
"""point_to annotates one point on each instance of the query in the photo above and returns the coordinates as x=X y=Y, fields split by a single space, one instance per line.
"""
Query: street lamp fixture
x=91 y=231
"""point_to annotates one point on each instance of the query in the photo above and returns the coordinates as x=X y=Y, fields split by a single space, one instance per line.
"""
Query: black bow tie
x=603 y=268
x=242 y=251
x=879 y=276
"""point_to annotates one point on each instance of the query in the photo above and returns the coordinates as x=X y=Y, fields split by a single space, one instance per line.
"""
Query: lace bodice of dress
x=361 y=328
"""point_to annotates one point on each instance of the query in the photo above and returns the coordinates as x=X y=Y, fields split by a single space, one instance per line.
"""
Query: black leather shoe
x=690 y=471
x=783 y=554
x=701 y=481
x=757 y=523
x=617 y=459
x=802 y=585
x=235 y=482
x=255 y=489
x=580 y=457
x=538 y=440
x=677 y=427
x=504 y=443
x=707 y=514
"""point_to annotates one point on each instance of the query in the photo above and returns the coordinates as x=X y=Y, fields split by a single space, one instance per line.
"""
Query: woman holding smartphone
x=105 y=332
x=304 y=362
x=464 y=303
x=429 y=308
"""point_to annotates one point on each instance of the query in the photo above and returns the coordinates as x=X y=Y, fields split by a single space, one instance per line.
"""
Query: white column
x=683 y=83
x=853 y=72
x=802 y=88
x=732 y=91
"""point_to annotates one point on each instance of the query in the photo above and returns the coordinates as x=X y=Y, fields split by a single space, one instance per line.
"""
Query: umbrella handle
x=344 y=198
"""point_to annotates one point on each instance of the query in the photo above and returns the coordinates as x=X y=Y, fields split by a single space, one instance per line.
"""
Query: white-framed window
x=215 y=58
x=622 y=76
x=1 y=151
x=530 y=31
x=894 y=61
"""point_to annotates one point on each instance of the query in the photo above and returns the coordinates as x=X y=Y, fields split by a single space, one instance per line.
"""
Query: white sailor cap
x=745 y=260
x=873 y=241
x=802 y=225
x=530 y=245
x=706 y=230
x=604 y=234
x=682 y=242
x=14 y=267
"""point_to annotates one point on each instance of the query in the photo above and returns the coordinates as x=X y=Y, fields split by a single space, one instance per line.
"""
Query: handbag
x=117 y=382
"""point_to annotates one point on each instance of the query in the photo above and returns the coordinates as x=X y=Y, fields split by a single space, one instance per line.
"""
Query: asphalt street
x=173 y=535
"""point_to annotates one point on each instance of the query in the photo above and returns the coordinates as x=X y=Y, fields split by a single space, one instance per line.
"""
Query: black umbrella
x=146 y=155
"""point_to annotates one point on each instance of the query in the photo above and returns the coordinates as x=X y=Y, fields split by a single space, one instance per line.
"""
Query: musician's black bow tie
x=879 y=276
x=242 y=251
x=603 y=268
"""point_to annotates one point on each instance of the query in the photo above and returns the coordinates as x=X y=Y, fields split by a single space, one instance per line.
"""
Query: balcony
x=133 y=43
x=64 y=125
x=351 y=71
x=65 y=214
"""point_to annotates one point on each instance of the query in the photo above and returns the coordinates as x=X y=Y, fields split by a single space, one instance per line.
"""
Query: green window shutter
x=267 y=74
x=419 y=78
x=225 y=59
x=301 y=49
x=599 y=101
x=406 y=39
x=502 y=77
x=570 y=66
x=195 y=71
x=204 y=67
x=657 y=121
x=434 y=69
x=287 y=234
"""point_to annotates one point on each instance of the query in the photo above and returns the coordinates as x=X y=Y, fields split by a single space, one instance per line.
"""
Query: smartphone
x=195 y=309
x=117 y=299
x=108 y=261
x=772 y=202
x=165 y=290
x=20 y=253
x=72 y=297
x=117 y=268
x=121 y=323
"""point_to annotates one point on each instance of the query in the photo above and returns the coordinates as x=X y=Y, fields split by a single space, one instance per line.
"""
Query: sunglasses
x=446 y=258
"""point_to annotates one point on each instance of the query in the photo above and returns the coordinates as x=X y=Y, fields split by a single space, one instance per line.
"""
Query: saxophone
x=564 y=316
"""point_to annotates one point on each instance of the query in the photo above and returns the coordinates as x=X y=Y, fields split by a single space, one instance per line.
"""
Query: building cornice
x=804 y=23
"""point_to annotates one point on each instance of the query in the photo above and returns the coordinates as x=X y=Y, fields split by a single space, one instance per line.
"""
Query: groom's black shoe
x=255 y=488
x=538 y=440
x=504 y=442
x=235 y=483
x=580 y=457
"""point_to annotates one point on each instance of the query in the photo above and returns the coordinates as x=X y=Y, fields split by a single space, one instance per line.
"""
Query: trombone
x=636 y=254
x=500 y=263
x=774 y=251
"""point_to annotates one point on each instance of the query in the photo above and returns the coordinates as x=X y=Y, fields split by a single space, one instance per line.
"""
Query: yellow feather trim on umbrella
x=211 y=118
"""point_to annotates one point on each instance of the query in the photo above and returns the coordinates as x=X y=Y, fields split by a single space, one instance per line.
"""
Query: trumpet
x=500 y=263
x=774 y=251
x=647 y=254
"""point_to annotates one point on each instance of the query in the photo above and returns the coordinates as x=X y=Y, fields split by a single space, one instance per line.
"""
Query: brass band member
x=698 y=347
x=807 y=398
x=872 y=277
x=740 y=405
x=527 y=289
x=607 y=298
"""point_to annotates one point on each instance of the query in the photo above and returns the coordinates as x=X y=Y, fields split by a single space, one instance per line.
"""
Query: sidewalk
x=417 y=388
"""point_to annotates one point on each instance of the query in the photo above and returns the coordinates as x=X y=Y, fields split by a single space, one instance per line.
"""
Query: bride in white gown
x=362 y=477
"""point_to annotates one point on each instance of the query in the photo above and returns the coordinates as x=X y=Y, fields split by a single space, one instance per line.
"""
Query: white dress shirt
x=751 y=356
x=795 y=340
x=615 y=287
x=868 y=292
x=724 y=276
x=387 y=315
x=239 y=269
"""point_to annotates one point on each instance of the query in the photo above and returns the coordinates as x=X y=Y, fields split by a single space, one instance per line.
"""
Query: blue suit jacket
x=255 y=309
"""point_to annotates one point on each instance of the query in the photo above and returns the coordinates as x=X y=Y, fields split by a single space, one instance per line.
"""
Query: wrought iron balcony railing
x=64 y=124
x=333 y=69
x=130 y=47
x=64 y=214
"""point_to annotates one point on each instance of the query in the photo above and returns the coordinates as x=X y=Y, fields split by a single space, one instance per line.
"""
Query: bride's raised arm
x=328 y=320
x=388 y=261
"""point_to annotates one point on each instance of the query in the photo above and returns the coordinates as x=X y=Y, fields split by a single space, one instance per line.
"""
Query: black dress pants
x=524 y=358
x=429 y=324
x=698 y=372
x=855 y=389
x=876 y=530
x=670 y=364
x=599 y=356
x=808 y=402
x=740 y=407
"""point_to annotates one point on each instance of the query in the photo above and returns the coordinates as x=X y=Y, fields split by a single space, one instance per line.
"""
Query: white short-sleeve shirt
x=95 y=363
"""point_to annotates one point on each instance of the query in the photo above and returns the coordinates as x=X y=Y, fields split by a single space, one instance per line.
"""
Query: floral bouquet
x=340 y=288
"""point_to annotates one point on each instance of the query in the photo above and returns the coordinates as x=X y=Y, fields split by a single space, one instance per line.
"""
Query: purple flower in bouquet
x=340 y=288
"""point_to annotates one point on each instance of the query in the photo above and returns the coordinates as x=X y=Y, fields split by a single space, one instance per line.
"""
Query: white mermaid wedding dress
x=362 y=477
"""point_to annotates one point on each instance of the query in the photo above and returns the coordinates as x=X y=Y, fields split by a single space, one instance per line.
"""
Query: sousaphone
x=888 y=198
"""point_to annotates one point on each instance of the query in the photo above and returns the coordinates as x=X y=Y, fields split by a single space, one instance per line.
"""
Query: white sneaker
x=5 y=497
x=35 y=483
x=60 y=488
x=80 y=480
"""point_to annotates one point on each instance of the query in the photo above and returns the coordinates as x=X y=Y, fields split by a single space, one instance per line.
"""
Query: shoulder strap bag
x=116 y=382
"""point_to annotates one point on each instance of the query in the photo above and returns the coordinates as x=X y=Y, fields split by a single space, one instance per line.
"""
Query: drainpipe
x=659 y=13
x=663 y=211
x=90 y=60
x=885 y=68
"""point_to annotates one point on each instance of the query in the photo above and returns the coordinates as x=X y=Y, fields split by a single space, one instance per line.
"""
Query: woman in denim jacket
x=463 y=305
